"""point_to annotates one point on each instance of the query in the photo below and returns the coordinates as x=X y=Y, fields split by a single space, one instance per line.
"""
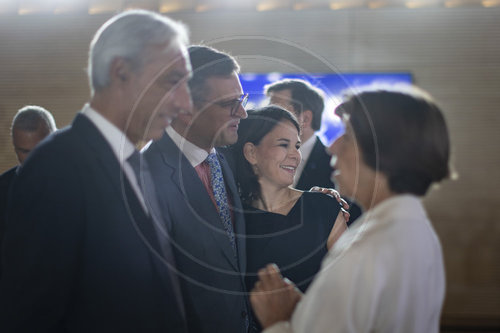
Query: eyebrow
x=288 y=141
x=232 y=100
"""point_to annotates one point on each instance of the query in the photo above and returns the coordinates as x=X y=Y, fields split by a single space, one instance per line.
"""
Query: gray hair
x=31 y=118
x=129 y=35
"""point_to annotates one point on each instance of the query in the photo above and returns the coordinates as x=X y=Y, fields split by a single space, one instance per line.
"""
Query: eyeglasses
x=233 y=104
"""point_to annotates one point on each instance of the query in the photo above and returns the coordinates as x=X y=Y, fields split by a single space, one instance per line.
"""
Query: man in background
x=90 y=253
x=197 y=192
x=30 y=125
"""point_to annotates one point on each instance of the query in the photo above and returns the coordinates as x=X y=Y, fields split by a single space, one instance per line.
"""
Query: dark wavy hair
x=304 y=97
x=402 y=134
x=206 y=63
x=259 y=123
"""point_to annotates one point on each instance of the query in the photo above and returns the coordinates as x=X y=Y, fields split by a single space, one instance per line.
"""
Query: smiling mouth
x=288 y=168
x=234 y=126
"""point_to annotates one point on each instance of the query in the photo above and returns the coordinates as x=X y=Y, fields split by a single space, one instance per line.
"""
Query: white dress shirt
x=305 y=151
x=385 y=274
x=193 y=153
x=120 y=144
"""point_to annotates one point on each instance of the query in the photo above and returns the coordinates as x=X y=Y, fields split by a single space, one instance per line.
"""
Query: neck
x=109 y=108
x=185 y=132
x=274 y=199
x=306 y=134
x=374 y=193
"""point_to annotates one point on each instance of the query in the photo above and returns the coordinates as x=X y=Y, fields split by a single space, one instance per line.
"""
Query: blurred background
x=449 y=47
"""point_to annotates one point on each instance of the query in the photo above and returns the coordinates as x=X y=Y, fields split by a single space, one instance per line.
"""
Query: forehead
x=285 y=94
x=223 y=87
x=28 y=139
x=282 y=98
x=283 y=129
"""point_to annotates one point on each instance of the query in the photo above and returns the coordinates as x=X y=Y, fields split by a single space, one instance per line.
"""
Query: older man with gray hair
x=91 y=253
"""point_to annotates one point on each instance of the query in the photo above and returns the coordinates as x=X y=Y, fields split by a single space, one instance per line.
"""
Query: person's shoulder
x=318 y=198
x=9 y=173
x=55 y=154
x=156 y=150
x=7 y=178
x=321 y=203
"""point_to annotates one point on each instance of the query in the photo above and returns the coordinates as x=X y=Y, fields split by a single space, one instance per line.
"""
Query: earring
x=255 y=169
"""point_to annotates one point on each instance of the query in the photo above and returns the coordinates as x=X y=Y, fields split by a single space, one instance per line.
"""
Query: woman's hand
x=273 y=298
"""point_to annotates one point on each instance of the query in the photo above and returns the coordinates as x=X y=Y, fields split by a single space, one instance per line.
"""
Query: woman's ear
x=249 y=153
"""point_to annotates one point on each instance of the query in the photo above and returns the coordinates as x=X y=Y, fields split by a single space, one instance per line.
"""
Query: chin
x=155 y=135
x=226 y=142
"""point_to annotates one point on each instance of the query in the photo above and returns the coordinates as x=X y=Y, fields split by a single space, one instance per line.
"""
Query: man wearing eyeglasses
x=198 y=195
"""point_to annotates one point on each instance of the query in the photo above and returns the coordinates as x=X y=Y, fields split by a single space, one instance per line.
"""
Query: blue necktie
x=219 y=189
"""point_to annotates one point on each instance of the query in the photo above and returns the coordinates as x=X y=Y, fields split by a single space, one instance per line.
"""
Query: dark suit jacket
x=317 y=172
x=80 y=255
x=6 y=180
x=211 y=276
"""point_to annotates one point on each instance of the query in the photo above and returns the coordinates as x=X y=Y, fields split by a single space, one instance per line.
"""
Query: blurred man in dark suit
x=30 y=125
x=90 y=253
x=197 y=192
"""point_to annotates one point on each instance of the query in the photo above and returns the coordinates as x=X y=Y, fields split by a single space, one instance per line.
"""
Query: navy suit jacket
x=80 y=254
x=211 y=275
x=317 y=171
x=6 y=180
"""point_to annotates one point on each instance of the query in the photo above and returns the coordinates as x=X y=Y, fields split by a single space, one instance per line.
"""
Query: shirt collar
x=307 y=147
x=399 y=206
x=120 y=144
x=193 y=153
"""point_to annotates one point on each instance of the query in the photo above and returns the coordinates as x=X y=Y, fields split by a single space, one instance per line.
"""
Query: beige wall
x=453 y=53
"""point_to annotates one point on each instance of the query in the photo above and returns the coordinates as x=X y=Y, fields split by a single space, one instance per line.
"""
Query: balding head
x=30 y=125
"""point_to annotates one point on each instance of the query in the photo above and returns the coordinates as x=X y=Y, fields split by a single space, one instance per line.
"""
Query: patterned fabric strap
x=219 y=189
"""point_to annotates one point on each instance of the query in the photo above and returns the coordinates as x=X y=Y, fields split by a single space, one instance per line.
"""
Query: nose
x=296 y=154
x=241 y=112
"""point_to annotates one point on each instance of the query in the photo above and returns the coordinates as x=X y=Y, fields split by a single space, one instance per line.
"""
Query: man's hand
x=336 y=195
x=273 y=298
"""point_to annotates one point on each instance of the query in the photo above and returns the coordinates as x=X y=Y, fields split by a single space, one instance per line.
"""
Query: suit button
x=243 y=314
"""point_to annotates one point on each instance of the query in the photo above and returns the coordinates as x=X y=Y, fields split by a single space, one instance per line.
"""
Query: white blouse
x=385 y=274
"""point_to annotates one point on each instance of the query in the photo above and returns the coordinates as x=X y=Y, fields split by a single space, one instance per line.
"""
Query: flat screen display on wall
x=333 y=85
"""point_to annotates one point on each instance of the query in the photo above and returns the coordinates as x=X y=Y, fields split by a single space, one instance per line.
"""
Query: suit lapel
x=138 y=217
x=184 y=176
